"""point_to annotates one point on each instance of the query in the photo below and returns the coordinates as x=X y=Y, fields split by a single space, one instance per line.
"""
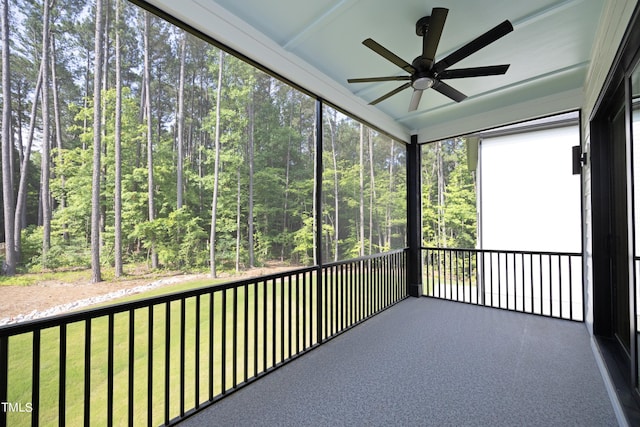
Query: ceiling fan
x=424 y=72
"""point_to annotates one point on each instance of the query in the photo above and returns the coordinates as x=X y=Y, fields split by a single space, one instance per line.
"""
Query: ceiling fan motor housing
x=422 y=26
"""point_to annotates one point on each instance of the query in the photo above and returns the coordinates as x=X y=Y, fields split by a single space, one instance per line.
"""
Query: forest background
x=127 y=140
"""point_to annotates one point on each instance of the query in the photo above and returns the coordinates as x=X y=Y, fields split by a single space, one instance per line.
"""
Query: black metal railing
x=158 y=360
x=544 y=283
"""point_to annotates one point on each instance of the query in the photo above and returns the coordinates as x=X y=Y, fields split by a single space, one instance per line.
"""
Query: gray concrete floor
x=428 y=362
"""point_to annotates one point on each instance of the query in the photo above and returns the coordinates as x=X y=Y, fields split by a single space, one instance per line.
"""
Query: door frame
x=616 y=89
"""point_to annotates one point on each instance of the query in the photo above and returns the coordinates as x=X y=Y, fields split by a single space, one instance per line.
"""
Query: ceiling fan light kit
x=424 y=72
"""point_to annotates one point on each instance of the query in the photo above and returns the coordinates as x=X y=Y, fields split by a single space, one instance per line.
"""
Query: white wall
x=530 y=200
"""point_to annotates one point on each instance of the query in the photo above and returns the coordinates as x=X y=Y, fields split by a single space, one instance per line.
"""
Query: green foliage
x=256 y=111
x=61 y=255
x=181 y=240
x=448 y=196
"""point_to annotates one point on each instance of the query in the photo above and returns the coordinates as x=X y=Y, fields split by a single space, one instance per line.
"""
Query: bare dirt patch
x=45 y=294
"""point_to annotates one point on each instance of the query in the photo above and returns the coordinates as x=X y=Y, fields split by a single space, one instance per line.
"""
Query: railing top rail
x=92 y=313
x=364 y=258
x=501 y=251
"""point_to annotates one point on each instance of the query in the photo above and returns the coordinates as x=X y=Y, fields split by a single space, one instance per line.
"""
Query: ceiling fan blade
x=473 y=46
x=393 y=92
x=415 y=100
x=448 y=91
x=379 y=79
x=431 y=40
x=460 y=73
x=388 y=55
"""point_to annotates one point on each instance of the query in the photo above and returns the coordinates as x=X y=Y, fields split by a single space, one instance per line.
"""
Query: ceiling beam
x=331 y=12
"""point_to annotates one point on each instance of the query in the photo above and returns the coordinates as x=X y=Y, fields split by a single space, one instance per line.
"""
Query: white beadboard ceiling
x=318 y=44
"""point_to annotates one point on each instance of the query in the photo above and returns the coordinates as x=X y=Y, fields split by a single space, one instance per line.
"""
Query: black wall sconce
x=579 y=159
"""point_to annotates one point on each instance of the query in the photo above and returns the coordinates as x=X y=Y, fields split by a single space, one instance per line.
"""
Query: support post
x=414 y=219
x=318 y=219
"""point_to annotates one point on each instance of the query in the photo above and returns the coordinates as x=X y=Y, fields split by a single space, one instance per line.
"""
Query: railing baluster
x=337 y=303
x=35 y=379
x=167 y=362
x=4 y=375
x=550 y=288
x=130 y=370
x=343 y=297
x=211 y=358
x=87 y=372
x=62 y=384
x=450 y=279
x=524 y=307
x=560 y=285
x=541 y=280
x=571 y=289
x=265 y=341
x=304 y=311
x=499 y=281
x=246 y=332
x=223 y=344
x=463 y=274
x=433 y=260
x=255 y=329
x=319 y=304
x=457 y=279
x=273 y=322
x=197 y=354
x=515 y=285
x=234 y=339
x=297 y=313
x=282 y=319
x=110 y=370
x=478 y=279
x=183 y=317
x=358 y=289
x=290 y=321
x=531 y=282
x=150 y=326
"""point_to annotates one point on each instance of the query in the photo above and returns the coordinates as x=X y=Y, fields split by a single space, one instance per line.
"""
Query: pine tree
x=96 y=275
x=7 y=148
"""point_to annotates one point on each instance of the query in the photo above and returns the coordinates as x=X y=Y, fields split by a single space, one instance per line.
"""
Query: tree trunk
x=442 y=233
x=216 y=172
x=7 y=180
x=362 y=240
x=391 y=192
x=334 y=156
x=179 y=184
x=46 y=143
x=250 y=143
x=97 y=152
x=238 y=221
x=285 y=223
x=147 y=84
x=118 y=153
x=314 y=209
x=372 y=198
x=21 y=205
x=58 y=126
x=85 y=103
